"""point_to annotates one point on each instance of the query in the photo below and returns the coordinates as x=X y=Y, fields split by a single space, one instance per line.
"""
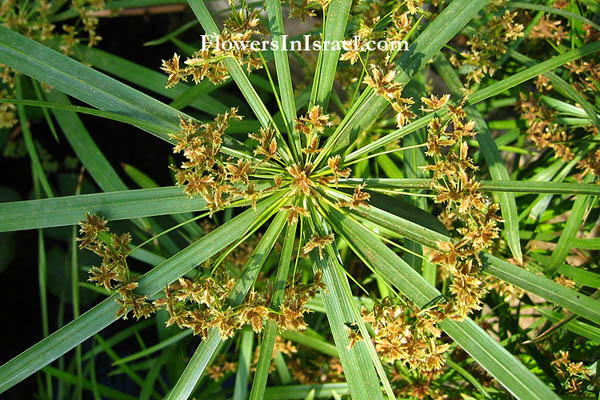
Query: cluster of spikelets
x=468 y=210
x=403 y=333
x=576 y=378
x=545 y=132
x=541 y=130
x=198 y=304
x=203 y=304
x=204 y=172
x=32 y=19
x=488 y=45
x=401 y=24
x=113 y=273
x=209 y=63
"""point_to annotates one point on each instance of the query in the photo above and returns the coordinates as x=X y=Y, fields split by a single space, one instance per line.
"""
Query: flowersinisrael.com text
x=303 y=45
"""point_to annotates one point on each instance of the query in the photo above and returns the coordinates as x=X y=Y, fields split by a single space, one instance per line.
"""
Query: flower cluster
x=541 y=130
x=401 y=334
x=113 y=273
x=204 y=303
x=575 y=376
x=488 y=45
x=545 y=133
x=382 y=81
x=312 y=125
x=465 y=205
x=401 y=24
x=209 y=62
x=204 y=172
x=548 y=29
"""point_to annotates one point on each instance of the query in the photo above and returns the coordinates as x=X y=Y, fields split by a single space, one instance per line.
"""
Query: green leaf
x=552 y=10
x=145 y=182
x=301 y=391
x=105 y=391
x=580 y=275
x=284 y=78
x=577 y=327
x=529 y=186
x=565 y=242
x=39 y=173
x=150 y=79
x=363 y=381
x=240 y=388
x=570 y=299
x=533 y=72
x=70 y=210
x=153 y=349
x=335 y=28
x=310 y=341
x=194 y=369
x=93 y=87
x=84 y=146
x=266 y=348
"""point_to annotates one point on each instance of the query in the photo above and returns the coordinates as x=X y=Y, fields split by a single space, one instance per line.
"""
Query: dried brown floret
x=318 y=242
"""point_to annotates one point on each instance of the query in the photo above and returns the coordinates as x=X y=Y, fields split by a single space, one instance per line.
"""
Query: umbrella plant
x=364 y=194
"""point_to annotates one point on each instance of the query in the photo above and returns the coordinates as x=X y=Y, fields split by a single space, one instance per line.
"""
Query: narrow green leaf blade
x=335 y=28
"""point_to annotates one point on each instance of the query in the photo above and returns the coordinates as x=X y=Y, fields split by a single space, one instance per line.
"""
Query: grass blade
x=29 y=143
x=105 y=391
x=486 y=186
x=149 y=79
x=335 y=28
x=363 y=381
x=565 y=242
x=69 y=210
x=266 y=348
x=570 y=299
x=284 y=78
x=194 y=369
x=84 y=146
x=92 y=87
x=301 y=391
x=240 y=388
